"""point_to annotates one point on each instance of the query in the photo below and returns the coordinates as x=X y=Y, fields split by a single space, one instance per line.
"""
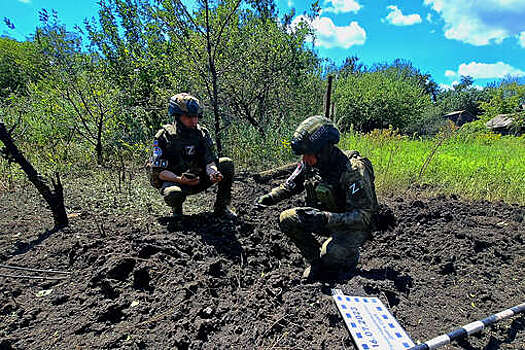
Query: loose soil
x=139 y=280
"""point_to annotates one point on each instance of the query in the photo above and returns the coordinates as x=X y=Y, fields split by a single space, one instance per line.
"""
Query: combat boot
x=177 y=211
x=222 y=203
x=224 y=212
x=311 y=273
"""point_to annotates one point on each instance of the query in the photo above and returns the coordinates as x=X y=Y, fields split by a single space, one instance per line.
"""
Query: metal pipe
x=468 y=329
x=11 y=267
x=34 y=277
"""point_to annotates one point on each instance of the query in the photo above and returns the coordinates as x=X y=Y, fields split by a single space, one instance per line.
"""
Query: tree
x=20 y=64
x=201 y=36
x=465 y=82
x=265 y=69
x=382 y=96
x=53 y=197
x=139 y=61
x=79 y=82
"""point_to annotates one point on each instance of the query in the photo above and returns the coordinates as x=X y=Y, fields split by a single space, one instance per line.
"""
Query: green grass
x=485 y=167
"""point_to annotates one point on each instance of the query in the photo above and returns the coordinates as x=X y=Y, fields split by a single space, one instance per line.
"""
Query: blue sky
x=446 y=38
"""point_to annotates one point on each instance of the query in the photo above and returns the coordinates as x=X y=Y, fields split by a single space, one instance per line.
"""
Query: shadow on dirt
x=403 y=283
x=23 y=247
x=219 y=233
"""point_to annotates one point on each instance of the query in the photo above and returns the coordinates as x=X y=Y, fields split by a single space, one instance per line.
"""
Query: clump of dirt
x=142 y=281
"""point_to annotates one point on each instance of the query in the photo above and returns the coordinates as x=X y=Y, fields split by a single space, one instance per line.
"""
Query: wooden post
x=328 y=97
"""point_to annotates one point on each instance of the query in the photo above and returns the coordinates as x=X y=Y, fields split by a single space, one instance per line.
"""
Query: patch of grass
x=254 y=151
x=487 y=166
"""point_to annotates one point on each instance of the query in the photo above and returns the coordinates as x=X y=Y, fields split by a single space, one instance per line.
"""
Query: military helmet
x=184 y=103
x=313 y=134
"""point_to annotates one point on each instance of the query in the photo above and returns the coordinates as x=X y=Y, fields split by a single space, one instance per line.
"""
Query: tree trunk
x=215 y=94
x=98 y=147
x=55 y=197
x=274 y=173
x=98 y=150
x=328 y=97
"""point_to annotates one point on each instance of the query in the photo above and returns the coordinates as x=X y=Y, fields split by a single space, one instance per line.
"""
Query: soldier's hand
x=189 y=182
x=216 y=177
x=264 y=201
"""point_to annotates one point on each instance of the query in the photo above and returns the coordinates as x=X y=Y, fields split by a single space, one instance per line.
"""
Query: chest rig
x=185 y=150
x=323 y=192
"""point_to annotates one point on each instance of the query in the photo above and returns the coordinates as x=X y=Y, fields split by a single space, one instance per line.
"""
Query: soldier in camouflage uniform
x=183 y=162
x=340 y=197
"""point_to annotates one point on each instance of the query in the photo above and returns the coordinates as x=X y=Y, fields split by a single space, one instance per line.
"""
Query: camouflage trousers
x=339 y=253
x=175 y=194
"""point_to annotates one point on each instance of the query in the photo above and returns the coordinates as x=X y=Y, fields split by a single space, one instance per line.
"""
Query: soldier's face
x=189 y=121
x=310 y=159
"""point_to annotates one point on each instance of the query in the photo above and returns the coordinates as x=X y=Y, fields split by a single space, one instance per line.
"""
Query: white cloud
x=290 y=3
x=450 y=73
x=480 y=22
x=449 y=87
x=397 y=18
x=342 y=6
x=429 y=17
x=329 y=35
x=521 y=39
x=25 y=1
x=488 y=70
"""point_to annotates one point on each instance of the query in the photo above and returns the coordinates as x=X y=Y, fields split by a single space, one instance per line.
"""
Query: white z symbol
x=353 y=188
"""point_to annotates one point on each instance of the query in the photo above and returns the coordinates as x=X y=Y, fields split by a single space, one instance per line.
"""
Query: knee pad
x=226 y=166
x=173 y=196
x=288 y=220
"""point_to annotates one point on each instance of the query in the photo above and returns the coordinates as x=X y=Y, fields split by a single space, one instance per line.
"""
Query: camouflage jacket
x=178 y=149
x=342 y=185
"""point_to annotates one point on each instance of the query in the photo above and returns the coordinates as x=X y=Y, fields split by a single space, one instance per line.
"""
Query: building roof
x=456 y=112
x=500 y=121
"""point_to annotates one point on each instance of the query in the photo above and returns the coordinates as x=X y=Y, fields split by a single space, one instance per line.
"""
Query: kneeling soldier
x=183 y=162
x=340 y=198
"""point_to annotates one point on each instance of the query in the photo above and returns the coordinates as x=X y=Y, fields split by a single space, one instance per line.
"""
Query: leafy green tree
x=20 y=63
x=504 y=99
x=382 y=96
x=265 y=70
x=404 y=69
x=465 y=82
x=464 y=98
x=78 y=82
x=201 y=36
x=141 y=61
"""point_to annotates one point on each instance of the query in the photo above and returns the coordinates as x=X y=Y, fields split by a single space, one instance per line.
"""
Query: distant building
x=460 y=117
x=503 y=124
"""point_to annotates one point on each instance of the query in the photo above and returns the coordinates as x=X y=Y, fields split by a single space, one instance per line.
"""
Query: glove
x=265 y=200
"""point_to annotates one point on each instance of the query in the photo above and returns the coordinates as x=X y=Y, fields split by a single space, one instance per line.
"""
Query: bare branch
x=219 y=35
x=189 y=16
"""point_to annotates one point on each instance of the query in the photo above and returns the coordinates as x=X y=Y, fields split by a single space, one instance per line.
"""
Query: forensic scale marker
x=469 y=329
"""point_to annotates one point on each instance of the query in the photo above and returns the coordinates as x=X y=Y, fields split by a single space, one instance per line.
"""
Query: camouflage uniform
x=341 y=200
x=181 y=149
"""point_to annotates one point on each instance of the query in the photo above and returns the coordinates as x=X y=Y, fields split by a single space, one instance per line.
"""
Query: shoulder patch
x=159 y=133
x=170 y=128
x=354 y=187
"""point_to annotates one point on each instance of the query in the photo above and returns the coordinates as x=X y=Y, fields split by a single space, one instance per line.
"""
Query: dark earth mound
x=140 y=281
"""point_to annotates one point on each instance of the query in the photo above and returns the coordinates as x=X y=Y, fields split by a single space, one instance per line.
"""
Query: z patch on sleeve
x=354 y=188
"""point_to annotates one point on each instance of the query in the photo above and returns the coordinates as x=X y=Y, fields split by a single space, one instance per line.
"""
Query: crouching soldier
x=340 y=198
x=183 y=162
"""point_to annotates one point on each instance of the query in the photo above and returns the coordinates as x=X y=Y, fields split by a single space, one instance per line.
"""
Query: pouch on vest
x=325 y=196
